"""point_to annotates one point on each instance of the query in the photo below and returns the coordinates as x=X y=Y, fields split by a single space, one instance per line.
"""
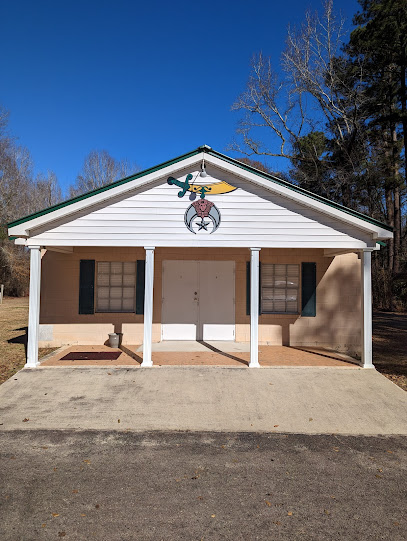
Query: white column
x=254 y=307
x=148 y=307
x=34 y=306
x=366 y=308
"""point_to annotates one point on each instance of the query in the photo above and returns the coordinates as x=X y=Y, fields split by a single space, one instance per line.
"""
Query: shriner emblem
x=199 y=210
x=202 y=215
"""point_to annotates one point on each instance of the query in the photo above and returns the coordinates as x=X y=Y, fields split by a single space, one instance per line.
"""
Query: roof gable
x=229 y=166
x=240 y=213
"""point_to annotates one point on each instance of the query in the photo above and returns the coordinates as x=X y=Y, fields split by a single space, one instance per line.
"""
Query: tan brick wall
x=60 y=299
x=336 y=325
x=337 y=321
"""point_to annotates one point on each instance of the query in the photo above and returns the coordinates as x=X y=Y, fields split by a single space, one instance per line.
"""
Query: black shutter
x=87 y=286
x=140 y=285
x=308 y=289
x=248 y=288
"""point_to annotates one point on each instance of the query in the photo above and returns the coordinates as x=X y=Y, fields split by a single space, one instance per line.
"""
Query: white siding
x=250 y=216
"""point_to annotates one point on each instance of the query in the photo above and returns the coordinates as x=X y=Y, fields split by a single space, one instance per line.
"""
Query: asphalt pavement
x=118 y=485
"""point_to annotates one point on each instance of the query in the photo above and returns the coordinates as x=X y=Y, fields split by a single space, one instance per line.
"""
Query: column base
x=254 y=365
x=31 y=365
x=146 y=364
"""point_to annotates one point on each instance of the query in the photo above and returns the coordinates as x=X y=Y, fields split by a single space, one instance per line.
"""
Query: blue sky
x=146 y=81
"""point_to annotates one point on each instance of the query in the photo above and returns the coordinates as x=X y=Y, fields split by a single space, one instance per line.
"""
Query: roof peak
x=204 y=147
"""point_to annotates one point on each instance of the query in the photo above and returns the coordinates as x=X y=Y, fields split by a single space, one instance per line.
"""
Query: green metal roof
x=208 y=150
x=103 y=189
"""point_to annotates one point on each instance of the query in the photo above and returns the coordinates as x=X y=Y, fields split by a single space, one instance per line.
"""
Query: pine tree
x=379 y=43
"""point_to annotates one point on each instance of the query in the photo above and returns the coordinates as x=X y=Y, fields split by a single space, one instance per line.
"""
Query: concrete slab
x=192 y=346
x=191 y=353
x=296 y=400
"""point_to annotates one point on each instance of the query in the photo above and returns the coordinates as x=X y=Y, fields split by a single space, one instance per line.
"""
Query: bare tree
x=19 y=195
x=262 y=167
x=100 y=169
x=14 y=268
x=4 y=114
x=310 y=95
x=15 y=181
x=15 y=178
x=46 y=191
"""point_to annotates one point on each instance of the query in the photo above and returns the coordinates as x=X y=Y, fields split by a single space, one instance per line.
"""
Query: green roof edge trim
x=103 y=189
x=297 y=189
x=208 y=150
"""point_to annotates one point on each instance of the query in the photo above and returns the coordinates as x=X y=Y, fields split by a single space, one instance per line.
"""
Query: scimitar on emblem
x=202 y=208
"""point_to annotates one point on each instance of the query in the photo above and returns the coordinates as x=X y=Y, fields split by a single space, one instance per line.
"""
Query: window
x=279 y=288
x=115 y=286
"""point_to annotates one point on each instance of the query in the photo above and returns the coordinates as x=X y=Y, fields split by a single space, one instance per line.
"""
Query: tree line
x=22 y=193
x=335 y=109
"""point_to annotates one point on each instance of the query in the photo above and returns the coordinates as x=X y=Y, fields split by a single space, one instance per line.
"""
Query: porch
x=191 y=353
x=205 y=295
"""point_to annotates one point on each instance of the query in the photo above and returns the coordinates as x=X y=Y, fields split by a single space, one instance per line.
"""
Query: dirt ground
x=389 y=341
x=390 y=346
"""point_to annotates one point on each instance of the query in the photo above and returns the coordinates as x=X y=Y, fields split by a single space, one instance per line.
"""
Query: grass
x=13 y=336
x=389 y=341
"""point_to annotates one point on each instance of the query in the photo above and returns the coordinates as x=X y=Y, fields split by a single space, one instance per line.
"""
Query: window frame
x=121 y=286
x=297 y=288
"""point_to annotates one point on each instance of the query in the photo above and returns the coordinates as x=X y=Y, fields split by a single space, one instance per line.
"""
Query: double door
x=198 y=300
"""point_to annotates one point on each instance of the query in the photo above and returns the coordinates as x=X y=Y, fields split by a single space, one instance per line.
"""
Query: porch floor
x=233 y=354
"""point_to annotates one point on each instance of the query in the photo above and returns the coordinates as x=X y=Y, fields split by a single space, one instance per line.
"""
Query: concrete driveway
x=296 y=400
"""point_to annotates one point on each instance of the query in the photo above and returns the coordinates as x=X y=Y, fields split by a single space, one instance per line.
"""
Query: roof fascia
x=287 y=190
x=22 y=227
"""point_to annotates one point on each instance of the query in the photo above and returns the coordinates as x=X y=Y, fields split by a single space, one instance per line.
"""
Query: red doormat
x=92 y=356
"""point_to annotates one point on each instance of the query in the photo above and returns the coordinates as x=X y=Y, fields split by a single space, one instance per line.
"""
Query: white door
x=180 y=300
x=198 y=300
x=216 y=300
